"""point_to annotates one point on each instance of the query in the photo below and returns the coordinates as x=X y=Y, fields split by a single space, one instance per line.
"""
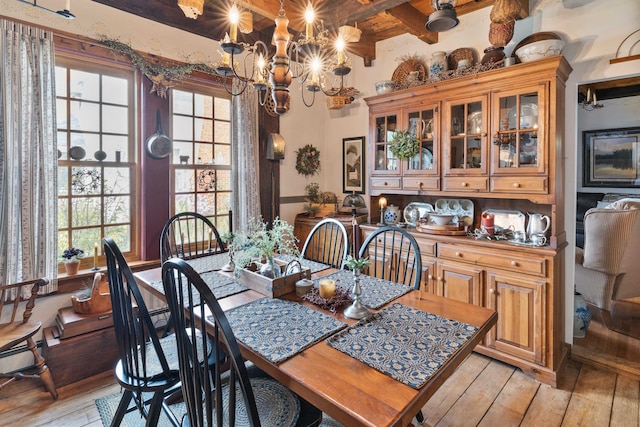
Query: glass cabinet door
x=465 y=137
x=518 y=137
x=423 y=124
x=384 y=160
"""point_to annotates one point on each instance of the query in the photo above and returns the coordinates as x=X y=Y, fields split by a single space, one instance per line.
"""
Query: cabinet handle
x=458 y=254
x=463 y=184
x=516 y=185
x=514 y=263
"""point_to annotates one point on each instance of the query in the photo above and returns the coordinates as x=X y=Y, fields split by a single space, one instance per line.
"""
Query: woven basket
x=501 y=34
x=350 y=34
x=337 y=102
x=504 y=11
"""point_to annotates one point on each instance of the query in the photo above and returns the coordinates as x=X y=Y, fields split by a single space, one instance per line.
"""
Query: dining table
x=380 y=386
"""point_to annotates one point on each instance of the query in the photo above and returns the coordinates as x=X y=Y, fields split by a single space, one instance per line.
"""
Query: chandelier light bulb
x=309 y=17
x=234 y=18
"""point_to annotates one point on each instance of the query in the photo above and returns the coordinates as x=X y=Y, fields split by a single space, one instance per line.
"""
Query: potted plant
x=261 y=242
x=71 y=258
x=311 y=209
x=404 y=145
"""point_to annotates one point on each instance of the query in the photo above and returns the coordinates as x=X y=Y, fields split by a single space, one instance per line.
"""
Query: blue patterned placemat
x=306 y=263
x=407 y=344
x=375 y=292
x=279 y=329
x=221 y=285
x=209 y=263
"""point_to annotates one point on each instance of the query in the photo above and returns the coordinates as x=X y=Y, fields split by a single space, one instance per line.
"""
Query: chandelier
x=308 y=60
x=590 y=102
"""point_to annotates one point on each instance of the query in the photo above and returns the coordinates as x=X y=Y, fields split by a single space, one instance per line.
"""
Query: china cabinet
x=496 y=137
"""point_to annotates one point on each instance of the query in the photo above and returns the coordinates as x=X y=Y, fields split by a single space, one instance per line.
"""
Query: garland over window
x=308 y=160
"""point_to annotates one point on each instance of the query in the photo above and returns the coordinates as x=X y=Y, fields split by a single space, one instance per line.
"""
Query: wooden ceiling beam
x=413 y=21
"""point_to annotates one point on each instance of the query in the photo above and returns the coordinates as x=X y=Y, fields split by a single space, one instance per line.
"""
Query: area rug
x=108 y=405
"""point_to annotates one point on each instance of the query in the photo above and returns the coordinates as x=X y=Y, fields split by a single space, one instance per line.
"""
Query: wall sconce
x=590 y=101
x=275 y=147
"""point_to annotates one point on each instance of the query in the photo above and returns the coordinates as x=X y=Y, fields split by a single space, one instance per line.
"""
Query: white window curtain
x=28 y=173
x=244 y=154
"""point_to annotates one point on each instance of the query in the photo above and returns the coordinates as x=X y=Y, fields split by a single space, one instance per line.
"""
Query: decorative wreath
x=85 y=180
x=207 y=179
x=308 y=160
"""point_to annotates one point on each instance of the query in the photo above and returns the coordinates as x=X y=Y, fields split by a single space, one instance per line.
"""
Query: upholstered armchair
x=608 y=268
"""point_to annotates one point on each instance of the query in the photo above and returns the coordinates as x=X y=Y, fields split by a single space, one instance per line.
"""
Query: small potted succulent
x=71 y=258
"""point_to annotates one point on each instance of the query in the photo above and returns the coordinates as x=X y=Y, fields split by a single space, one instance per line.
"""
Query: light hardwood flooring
x=482 y=392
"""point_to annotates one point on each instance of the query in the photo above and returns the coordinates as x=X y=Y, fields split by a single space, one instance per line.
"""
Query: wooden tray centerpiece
x=446 y=230
x=250 y=277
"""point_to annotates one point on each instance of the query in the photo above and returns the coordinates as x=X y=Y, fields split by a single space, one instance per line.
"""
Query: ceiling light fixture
x=65 y=13
x=444 y=16
x=191 y=8
x=590 y=103
x=308 y=60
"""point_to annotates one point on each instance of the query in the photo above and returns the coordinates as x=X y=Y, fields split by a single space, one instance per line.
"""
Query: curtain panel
x=28 y=172
x=244 y=154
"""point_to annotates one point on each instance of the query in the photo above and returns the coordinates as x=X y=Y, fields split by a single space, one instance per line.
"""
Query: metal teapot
x=538 y=224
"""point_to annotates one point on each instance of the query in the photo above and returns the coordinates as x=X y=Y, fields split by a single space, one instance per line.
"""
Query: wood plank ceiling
x=378 y=19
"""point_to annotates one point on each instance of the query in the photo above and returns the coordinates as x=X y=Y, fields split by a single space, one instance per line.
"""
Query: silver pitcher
x=538 y=224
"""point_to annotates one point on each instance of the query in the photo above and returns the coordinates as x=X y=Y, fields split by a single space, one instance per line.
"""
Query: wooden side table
x=303 y=226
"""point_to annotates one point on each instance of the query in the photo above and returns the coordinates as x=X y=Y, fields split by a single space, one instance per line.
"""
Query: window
x=96 y=157
x=201 y=159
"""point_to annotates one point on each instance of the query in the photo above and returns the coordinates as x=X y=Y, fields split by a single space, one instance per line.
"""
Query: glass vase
x=271 y=269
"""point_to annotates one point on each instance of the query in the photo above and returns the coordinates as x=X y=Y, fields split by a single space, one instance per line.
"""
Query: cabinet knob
x=384 y=183
x=492 y=291
x=458 y=253
x=514 y=263
x=430 y=277
x=421 y=185
x=439 y=279
x=463 y=184
x=516 y=185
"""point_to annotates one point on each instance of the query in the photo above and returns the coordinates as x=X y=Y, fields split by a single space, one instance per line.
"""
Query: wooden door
x=520 y=303
x=461 y=282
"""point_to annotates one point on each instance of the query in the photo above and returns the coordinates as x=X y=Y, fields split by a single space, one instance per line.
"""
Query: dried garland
x=452 y=74
x=85 y=180
x=308 y=160
x=161 y=75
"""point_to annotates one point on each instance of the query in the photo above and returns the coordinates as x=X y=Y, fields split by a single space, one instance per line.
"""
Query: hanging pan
x=158 y=145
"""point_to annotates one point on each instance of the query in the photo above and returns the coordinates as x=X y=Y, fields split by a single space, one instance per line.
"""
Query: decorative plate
x=402 y=71
x=77 y=153
x=528 y=116
x=459 y=54
x=415 y=210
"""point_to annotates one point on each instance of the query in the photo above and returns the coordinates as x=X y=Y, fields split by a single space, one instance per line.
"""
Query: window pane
x=184 y=181
x=86 y=211
x=185 y=203
x=63 y=213
x=223 y=181
x=180 y=150
x=85 y=116
x=63 y=177
x=116 y=181
x=61 y=81
x=223 y=155
x=223 y=204
x=206 y=204
x=222 y=132
x=116 y=210
x=115 y=90
x=61 y=113
x=121 y=235
x=222 y=224
x=222 y=108
x=115 y=119
x=63 y=242
x=206 y=180
x=182 y=128
x=85 y=85
x=182 y=102
x=89 y=141
x=204 y=153
x=113 y=143
x=204 y=130
x=203 y=105
x=85 y=181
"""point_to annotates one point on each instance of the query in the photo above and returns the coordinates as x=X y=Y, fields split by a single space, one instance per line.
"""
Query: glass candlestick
x=356 y=310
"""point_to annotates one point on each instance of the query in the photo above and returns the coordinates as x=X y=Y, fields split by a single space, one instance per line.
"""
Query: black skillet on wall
x=158 y=145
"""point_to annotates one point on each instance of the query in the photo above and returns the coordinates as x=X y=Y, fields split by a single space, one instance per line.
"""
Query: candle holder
x=356 y=310
x=381 y=223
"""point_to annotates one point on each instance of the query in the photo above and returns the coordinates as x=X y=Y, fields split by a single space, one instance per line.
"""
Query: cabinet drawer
x=427 y=247
x=466 y=183
x=520 y=184
x=515 y=263
x=430 y=183
x=387 y=183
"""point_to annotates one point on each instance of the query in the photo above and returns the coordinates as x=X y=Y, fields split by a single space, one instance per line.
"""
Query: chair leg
x=122 y=408
x=42 y=369
x=420 y=416
x=154 y=409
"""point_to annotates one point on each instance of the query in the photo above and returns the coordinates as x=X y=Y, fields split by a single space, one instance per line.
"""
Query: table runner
x=221 y=285
x=407 y=344
x=306 y=263
x=375 y=292
x=279 y=329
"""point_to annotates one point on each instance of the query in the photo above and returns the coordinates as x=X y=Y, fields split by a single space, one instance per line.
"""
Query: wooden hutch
x=495 y=138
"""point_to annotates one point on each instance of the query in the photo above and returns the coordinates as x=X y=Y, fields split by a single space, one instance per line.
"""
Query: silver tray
x=508 y=219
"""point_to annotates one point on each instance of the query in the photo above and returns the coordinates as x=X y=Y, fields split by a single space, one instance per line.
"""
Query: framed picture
x=612 y=158
x=353 y=165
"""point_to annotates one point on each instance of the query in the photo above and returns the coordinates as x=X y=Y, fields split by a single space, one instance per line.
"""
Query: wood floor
x=482 y=392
